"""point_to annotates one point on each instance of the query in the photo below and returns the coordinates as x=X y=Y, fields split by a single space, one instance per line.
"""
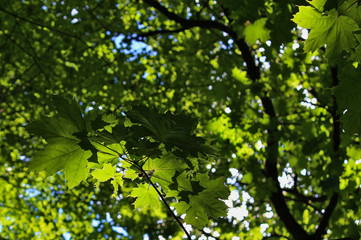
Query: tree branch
x=321 y=230
x=190 y=23
x=336 y=140
x=254 y=74
x=277 y=197
x=165 y=203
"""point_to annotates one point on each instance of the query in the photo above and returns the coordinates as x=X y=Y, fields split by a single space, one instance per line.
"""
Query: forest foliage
x=180 y=119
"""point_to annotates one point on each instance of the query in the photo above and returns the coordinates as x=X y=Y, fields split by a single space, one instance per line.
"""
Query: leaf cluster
x=155 y=150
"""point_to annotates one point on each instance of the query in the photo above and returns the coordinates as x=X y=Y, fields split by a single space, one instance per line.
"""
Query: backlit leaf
x=63 y=154
x=146 y=196
x=104 y=174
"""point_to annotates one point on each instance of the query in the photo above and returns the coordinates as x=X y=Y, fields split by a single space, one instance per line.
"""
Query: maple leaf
x=117 y=182
x=349 y=8
x=104 y=157
x=107 y=153
x=63 y=150
x=69 y=109
x=131 y=174
x=105 y=173
x=63 y=154
x=332 y=29
x=201 y=197
x=200 y=207
x=173 y=130
x=318 y=4
x=196 y=213
x=257 y=30
x=146 y=196
x=203 y=201
x=52 y=129
x=116 y=134
x=163 y=169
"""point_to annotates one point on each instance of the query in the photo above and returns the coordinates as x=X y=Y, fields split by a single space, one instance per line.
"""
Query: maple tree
x=180 y=119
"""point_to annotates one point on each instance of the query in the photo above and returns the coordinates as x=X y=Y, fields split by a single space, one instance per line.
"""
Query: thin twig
x=166 y=204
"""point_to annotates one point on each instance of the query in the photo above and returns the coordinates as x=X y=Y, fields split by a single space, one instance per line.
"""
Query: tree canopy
x=148 y=119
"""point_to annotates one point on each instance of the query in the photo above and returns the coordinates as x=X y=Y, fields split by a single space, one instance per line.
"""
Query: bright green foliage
x=63 y=151
x=163 y=169
x=256 y=30
x=104 y=173
x=139 y=152
x=206 y=202
x=146 y=196
x=331 y=28
x=244 y=96
x=117 y=182
x=318 y=4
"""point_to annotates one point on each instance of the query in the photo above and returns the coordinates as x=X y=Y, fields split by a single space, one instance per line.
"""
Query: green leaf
x=173 y=130
x=202 y=205
x=130 y=171
x=163 y=169
x=146 y=196
x=131 y=174
x=104 y=157
x=349 y=8
x=53 y=128
x=104 y=174
x=214 y=188
x=108 y=153
x=196 y=213
x=117 y=181
x=182 y=207
x=318 y=4
x=257 y=30
x=63 y=154
x=337 y=32
x=202 y=197
x=307 y=17
x=118 y=133
x=69 y=109
x=63 y=150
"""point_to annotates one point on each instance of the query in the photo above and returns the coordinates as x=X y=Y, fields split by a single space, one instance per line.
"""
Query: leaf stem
x=166 y=204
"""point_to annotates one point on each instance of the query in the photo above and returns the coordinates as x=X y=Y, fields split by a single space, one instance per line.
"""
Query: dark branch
x=165 y=202
x=321 y=230
x=254 y=74
x=190 y=23
x=336 y=140
x=252 y=69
